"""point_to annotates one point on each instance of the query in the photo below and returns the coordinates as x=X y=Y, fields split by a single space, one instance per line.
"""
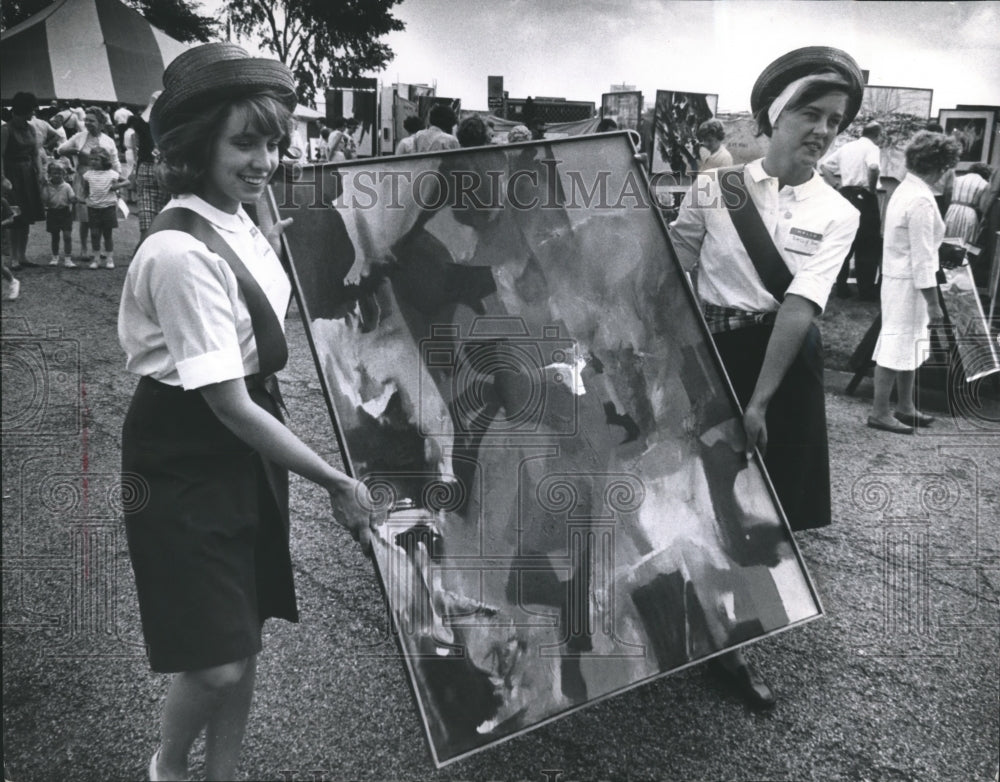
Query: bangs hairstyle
x=830 y=82
x=929 y=152
x=186 y=149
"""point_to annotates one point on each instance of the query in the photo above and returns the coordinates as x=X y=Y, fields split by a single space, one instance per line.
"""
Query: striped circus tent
x=95 y=50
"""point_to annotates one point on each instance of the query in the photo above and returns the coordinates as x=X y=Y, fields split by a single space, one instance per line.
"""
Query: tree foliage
x=319 y=39
x=177 y=18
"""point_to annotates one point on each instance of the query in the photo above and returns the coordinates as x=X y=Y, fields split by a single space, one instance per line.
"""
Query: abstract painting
x=675 y=125
x=515 y=365
x=625 y=108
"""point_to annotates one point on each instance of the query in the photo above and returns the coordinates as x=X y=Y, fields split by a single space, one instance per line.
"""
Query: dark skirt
x=59 y=219
x=102 y=217
x=25 y=190
x=797 y=456
x=207 y=531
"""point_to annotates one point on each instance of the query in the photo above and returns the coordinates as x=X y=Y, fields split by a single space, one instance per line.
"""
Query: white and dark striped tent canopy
x=95 y=50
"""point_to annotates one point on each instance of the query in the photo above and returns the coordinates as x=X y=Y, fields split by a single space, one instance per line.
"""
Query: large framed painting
x=625 y=108
x=901 y=111
x=676 y=118
x=974 y=132
x=515 y=365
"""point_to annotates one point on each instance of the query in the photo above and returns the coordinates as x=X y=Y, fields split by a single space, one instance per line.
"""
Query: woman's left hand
x=273 y=234
x=755 y=427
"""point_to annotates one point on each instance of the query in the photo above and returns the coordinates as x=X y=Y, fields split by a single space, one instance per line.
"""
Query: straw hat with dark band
x=803 y=62
x=205 y=75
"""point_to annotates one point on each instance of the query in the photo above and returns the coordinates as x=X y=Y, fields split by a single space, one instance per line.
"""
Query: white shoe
x=69 y=264
x=54 y=261
x=109 y=263
x=13 y=290
x=92 y=264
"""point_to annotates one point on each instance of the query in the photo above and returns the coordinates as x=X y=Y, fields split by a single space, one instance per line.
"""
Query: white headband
x=779 y=103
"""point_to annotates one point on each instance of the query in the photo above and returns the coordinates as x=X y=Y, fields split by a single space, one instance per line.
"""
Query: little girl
x=58 y=197
x=100 y=186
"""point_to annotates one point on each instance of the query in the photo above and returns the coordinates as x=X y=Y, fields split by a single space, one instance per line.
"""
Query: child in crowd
x=58 y=197
x=100 y=189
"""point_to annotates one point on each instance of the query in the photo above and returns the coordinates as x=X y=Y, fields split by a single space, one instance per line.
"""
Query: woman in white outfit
x=913 y=233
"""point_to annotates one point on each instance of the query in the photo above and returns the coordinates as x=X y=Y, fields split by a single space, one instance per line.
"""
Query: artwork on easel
x=522 y=377
x=974 y=132
x=625 y=108
x=676 y=118
x=901 y=111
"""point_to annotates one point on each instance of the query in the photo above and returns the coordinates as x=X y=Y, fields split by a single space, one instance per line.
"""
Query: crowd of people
x=78 y=165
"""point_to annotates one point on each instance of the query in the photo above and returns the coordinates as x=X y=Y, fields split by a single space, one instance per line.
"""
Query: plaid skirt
x=150 y=196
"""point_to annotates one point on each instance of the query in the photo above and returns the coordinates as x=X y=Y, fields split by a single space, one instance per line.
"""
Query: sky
x=577 y=49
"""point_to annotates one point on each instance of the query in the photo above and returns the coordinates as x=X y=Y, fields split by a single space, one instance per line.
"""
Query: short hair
x=934 y=127
x=819 y=87
x=711 y=128
x=23 y=103
x=413 y=123
x=100 y=158
x=928 y=152
x=606 y=125
x=186 y=149
x=442 y=116
x=872 y=130
x=472 y=132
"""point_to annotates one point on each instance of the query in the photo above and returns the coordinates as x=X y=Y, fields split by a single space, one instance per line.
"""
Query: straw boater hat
x=804 y=62
x=206 y=75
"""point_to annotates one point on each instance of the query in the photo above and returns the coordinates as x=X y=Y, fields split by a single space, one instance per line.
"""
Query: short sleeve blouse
x=182 y=319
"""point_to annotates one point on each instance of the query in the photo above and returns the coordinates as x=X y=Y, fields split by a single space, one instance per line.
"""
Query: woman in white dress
x=962 y=218
x=913 y=233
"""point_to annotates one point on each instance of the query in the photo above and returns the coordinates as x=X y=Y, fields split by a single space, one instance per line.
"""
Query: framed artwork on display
x=516 y=366
x=676 y=118
x=974 y=132
x=625 y=108
x=901 y=111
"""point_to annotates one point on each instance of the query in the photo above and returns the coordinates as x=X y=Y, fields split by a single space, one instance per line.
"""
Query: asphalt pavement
x=899 y=681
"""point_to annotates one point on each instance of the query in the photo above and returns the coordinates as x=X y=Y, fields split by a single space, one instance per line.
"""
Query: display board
x=516 y=366
x=675 y=126
x=625 y=108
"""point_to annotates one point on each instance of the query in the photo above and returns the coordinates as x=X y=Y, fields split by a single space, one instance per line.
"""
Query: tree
x=319 y=39
x=177 y=18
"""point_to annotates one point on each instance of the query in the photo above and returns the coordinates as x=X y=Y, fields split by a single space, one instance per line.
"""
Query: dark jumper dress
x=208 y=529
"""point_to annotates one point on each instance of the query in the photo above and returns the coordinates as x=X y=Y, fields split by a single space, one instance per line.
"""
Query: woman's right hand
x=354 y=509
x=934 y=311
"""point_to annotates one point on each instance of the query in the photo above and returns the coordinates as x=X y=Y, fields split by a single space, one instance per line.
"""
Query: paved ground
x=899 y=681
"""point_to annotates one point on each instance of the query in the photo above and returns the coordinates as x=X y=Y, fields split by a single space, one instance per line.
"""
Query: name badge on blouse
x=803 y=242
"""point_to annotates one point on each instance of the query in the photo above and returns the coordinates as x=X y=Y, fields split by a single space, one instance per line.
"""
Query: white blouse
x=182 y=320
x=913 y=232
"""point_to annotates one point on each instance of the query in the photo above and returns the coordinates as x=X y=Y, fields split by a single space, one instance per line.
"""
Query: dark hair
x=443 y=117
x=928 y=152
x=339 y=123
x=413 y=123
x=186 y=149
x=830 y=82
x=605 y=125
x=710 y=128
x=982 y=169
x=934 y=127
x=872 y=130
x=472 y=132
x=23 y=104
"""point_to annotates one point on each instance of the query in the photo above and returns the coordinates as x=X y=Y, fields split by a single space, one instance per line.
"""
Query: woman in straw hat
x=767 y=240
x=203 y=442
